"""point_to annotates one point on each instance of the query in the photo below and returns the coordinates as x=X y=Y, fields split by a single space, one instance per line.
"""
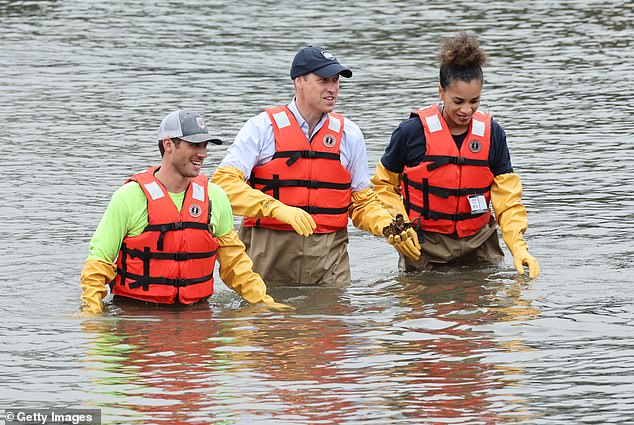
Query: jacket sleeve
x=506 y=198
x=387 y=186
x=95 y=275
x=236 y=269
x=368 y=213
x=245 y=200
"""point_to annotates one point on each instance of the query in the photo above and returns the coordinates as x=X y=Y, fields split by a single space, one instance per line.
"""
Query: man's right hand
x=300 y=220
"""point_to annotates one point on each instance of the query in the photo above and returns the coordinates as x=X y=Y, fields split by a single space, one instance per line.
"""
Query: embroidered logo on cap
x=329 y=140
x=328 y=55
x=195 y=210
x=475 y=146
x=200 y=121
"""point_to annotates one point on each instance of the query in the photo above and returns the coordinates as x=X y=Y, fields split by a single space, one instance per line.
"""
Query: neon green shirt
x=127 y=215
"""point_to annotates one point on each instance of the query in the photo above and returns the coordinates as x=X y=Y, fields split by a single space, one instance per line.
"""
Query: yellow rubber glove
x=369 y=214
x=506 y=197
x=95 y=275
x=387 y=186
x=236 y=271
x=245 y=200
x=406 y=243
x=300 y=220
x=249 y=202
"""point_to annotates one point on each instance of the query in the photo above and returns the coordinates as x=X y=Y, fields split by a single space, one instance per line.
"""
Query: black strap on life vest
x=310 y=209
x=293 y=156
x=426 y=189
x=436 y=215
x=145 y=280
x=146 y=255
x=440 y=160
x=124 y=266
x=444 y=192
x=315 y=210
x=139 y=281
x=406 y=200
x=275 y=183
x=176 y=256
x=167 y=227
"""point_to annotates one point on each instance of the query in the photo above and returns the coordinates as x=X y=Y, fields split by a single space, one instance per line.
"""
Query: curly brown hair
x=461 y=58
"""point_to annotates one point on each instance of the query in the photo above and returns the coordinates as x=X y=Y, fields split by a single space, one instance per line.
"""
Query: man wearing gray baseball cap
x=163 y=230
x=186 y=125
x=297 y=173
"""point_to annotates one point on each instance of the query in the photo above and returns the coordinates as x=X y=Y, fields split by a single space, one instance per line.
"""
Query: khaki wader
x=286 y=258
x=437 y=248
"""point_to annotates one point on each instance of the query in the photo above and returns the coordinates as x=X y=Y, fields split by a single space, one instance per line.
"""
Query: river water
x=83 y=86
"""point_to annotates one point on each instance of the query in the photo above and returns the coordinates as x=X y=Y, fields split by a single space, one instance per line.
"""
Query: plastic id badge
x=478 y=204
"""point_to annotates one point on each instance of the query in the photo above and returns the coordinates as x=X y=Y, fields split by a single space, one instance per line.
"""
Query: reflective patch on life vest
x=334 y=124
x=477 y=128
x=281 y=119
x=154 y=190
x=198 y=192
x=433 y=123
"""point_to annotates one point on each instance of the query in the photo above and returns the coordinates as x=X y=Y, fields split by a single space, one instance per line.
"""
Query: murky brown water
x=83 y=87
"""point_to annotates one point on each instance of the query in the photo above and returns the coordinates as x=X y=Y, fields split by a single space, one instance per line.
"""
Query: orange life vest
x=173 y=259
x=304 y=174
x=450 y=190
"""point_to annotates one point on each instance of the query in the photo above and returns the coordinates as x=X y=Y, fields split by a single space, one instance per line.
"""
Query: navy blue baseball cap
x=318 y=61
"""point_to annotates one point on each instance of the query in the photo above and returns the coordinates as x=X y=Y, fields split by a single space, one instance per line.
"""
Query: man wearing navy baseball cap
x=297 y=173
x=164 y=229
x=318 y=61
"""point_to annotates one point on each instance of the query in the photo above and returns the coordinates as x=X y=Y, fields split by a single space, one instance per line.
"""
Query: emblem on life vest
x=195 y=210
x=329 y=140
x=475 y=146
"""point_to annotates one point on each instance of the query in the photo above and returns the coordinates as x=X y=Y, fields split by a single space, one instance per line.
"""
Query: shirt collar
x=302 y=122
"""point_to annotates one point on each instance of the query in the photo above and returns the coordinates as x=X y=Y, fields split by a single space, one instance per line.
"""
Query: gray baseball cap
x=186 y=125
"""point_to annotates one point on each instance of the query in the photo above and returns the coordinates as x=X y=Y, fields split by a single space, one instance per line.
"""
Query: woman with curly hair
x=447 y=163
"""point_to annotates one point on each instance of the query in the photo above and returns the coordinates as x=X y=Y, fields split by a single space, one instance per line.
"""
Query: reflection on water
x=416 y=355
x=84 y=85
x=158 y=363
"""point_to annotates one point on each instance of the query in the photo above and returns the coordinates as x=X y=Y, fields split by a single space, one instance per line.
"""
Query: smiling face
x=461 y=100
x=186 y=158
x=316 y=95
